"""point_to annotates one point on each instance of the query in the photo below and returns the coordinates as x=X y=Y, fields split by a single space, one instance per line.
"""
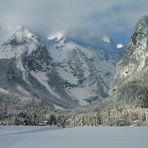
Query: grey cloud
x=74 y=16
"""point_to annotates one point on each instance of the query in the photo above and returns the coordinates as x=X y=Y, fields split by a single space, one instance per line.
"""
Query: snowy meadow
x=78 y=137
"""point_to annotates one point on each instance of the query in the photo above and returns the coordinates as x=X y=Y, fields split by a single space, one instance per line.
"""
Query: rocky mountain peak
x=142 y=25
x=19 y=42
x=140 y=34
x=20 y=36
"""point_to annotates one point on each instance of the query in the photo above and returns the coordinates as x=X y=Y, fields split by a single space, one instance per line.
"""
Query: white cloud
x=74 y=16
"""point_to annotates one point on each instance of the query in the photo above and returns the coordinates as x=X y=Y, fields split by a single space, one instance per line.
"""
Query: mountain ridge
x=130 y=84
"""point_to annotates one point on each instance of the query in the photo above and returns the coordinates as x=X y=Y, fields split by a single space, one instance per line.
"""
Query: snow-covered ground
x=79 y=137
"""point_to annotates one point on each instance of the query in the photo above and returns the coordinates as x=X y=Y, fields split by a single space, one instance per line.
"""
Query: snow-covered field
x=79 y=137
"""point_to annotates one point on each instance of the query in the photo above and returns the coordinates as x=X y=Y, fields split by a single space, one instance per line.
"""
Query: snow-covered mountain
x=63 y=74
x=131 y=82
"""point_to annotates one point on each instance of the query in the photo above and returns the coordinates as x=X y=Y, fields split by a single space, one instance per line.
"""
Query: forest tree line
x=39 y=114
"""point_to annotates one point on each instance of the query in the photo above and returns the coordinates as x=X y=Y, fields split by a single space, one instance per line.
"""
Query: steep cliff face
x=131 y=81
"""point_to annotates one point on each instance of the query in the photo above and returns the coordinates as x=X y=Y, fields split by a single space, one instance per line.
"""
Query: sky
x=79 y=18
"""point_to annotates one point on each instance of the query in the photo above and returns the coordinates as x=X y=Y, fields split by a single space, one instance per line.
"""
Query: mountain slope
x=131 y=82
x=83 y=70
